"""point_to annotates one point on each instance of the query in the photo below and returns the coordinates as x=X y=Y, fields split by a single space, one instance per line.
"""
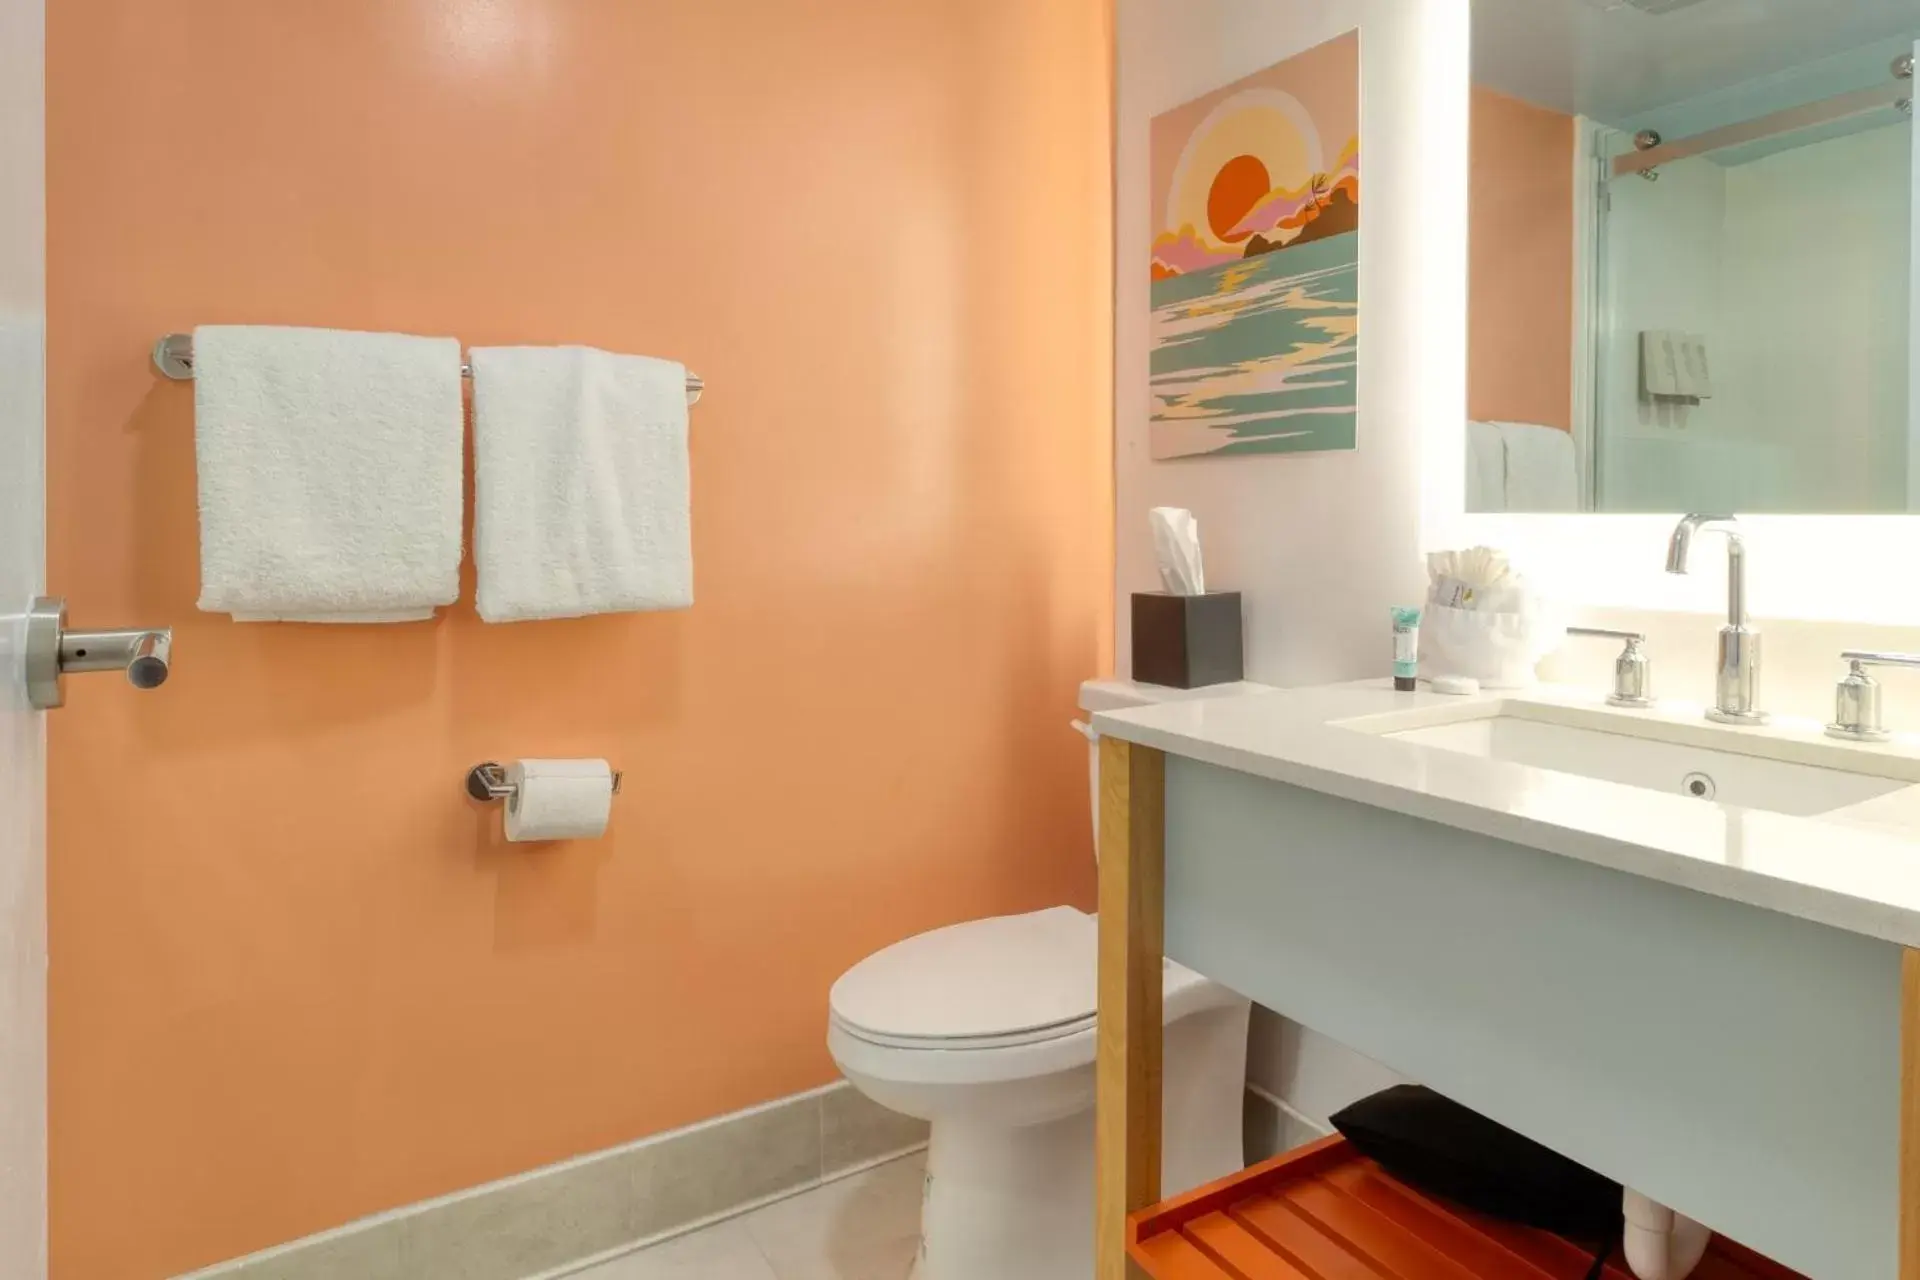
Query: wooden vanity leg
x=1909 y=1116
x=1133 y=806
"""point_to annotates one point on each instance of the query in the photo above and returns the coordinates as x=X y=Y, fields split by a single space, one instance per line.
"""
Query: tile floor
x=866 y=1227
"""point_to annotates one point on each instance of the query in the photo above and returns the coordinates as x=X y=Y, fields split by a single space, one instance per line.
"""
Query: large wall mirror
x=1691 y=229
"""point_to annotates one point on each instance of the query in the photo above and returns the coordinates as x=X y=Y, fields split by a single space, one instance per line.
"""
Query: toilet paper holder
x=488 y=783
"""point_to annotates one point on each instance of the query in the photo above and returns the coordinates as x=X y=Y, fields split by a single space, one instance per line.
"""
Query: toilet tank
x=1119 y=695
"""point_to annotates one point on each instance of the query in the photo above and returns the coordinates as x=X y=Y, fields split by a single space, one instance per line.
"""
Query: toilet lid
x=1008 y=975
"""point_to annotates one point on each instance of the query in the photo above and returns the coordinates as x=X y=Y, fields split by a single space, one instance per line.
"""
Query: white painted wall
x=1320 y=544
x=23 y=925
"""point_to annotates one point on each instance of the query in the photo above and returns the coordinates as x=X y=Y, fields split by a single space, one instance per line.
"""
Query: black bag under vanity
x=1441 y=1147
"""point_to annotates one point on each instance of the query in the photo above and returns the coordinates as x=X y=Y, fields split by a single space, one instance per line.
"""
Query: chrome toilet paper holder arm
x=488 y=784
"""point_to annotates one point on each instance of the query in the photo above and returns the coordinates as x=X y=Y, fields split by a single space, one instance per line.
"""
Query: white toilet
x=986 y=1029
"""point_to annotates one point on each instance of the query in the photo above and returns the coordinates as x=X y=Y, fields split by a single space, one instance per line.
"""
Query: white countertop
x=1856 y=868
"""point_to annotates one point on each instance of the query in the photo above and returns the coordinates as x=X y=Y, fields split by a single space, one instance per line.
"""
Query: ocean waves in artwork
x=1258 y=355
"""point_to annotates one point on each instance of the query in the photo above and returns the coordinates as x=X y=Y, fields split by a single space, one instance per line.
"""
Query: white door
x=23 y=789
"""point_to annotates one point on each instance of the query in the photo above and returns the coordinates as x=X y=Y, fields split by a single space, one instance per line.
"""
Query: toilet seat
x=1002 y=981
x=1006 y=982
x=1012 y=1040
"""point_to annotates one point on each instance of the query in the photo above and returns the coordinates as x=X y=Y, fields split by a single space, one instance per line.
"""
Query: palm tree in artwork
x=1320 y=187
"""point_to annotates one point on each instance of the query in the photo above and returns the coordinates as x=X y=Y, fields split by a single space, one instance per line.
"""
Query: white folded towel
x=1543 y=472
x=330 y=473
x=1486 y=467
x=580 y=480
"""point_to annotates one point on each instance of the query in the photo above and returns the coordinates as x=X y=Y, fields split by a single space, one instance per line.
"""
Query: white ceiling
x=1610 y=61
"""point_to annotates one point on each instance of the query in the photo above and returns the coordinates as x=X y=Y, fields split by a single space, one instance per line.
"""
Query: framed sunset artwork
x=1256 y=262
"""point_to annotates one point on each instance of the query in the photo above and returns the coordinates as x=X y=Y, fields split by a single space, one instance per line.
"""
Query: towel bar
x=173 y=357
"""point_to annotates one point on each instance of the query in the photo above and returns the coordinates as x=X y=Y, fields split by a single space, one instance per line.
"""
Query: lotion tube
x=1406 y=649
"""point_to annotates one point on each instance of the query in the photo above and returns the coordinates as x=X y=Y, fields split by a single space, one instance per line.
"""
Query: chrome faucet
x=1737 y=681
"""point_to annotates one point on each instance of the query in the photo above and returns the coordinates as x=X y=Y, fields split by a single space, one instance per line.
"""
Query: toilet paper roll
x=559 y=799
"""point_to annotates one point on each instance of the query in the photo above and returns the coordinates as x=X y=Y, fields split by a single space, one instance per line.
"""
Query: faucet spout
x=1680 y=545
x=1680 y=552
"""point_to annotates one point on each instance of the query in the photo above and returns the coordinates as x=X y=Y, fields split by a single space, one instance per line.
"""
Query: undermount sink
x=1608 y=747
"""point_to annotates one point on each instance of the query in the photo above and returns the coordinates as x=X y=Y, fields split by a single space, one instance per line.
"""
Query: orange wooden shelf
x=1326 y=1212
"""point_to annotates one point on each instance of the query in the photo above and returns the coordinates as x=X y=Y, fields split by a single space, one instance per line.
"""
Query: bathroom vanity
x=1679 y=952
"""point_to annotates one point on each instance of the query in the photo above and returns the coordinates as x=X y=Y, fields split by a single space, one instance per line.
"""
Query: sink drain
x=1698 y=785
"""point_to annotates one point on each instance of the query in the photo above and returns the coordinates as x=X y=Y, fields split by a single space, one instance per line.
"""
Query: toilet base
x=1017 y=1203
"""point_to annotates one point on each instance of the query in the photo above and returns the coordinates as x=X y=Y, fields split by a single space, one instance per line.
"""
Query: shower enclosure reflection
x=1690 y=258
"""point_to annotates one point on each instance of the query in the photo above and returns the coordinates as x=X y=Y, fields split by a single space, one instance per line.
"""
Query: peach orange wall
x=1520 y=263
x=296 y=978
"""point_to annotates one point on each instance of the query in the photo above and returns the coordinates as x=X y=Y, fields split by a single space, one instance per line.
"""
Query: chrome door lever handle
x=144 y=654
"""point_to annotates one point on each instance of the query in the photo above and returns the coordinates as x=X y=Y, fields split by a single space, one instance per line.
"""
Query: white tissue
x=1476 y=566
x=559 y=799
x=1176 y=546
x=1479 y=578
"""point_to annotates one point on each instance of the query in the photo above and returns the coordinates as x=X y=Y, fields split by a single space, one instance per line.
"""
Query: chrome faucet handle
x=54 y=650
x=1632 y=670
x=1856 y=699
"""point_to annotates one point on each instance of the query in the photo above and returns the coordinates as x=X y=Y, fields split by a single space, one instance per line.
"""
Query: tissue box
x=1187 y=642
